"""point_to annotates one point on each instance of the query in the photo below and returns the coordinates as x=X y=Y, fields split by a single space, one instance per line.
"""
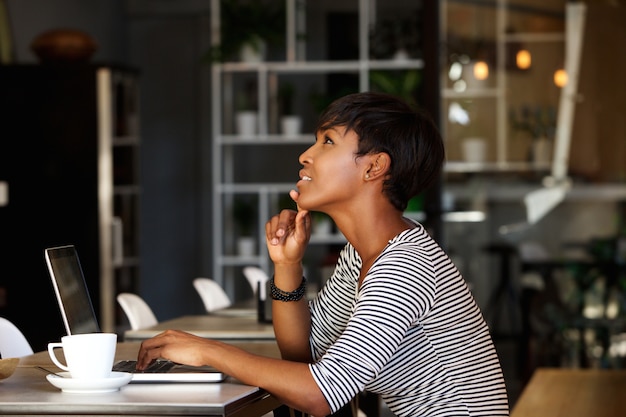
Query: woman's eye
x=328 y=140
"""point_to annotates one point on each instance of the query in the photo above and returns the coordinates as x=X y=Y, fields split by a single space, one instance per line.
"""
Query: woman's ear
x=379 y=166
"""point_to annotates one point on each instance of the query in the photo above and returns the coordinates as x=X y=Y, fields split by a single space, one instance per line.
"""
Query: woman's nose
x=306 y=156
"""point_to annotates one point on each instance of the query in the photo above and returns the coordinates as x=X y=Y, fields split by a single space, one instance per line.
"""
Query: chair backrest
x=137 y=311
x=254 y=275
x=212 y=295
x=13 y=343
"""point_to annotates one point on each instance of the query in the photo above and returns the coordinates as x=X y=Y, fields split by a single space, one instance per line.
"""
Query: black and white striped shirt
x=412 y=333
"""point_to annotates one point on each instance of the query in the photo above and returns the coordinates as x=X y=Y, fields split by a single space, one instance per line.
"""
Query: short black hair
x=385 y=123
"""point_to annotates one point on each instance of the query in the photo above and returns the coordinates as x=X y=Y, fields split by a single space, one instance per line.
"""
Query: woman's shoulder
x=415 y=238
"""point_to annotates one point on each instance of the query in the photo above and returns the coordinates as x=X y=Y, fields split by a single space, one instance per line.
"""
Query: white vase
x=253 y=51
x=246 y=246
x=542 y=151
x=246 y=123
x=322 y=227
x=475 y=150
x=290 y=125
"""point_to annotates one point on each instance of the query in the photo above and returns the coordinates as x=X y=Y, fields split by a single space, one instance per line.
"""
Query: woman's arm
x=287 y=236
x=291 y=319
x=290 y=382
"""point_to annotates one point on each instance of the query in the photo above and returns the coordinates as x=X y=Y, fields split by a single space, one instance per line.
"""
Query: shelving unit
x=228 y=148
x=70 y=162
x=495 y=31
x=125 y=143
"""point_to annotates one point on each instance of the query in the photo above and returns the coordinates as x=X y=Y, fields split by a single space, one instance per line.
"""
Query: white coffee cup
x=87 y=355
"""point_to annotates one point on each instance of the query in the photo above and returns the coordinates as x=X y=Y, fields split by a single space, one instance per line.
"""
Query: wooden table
x=27 y=392
x=235 y=328
x=573 y=393
x=219 y=327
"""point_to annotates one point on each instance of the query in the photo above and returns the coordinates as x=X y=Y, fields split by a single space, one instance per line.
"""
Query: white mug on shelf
x=88 y=355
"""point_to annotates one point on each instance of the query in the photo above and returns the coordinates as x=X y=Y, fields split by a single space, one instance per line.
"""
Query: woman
x=396 y=317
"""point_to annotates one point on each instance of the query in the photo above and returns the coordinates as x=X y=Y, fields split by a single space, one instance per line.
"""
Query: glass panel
x=533 y=97
x=536 y=16
x=470 y=118
x=470 y=39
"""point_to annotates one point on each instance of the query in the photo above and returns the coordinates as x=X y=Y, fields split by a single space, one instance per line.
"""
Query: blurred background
x=165 y=81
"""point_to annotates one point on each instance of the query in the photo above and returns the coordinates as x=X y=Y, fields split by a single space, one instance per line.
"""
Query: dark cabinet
x=69 y=158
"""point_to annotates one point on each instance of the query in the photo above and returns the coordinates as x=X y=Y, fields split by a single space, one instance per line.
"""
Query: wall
x=599 y=131
x=164 y=41
x=104 y=20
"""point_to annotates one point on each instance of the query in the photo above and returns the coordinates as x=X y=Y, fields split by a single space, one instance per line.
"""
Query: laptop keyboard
x=154 y=367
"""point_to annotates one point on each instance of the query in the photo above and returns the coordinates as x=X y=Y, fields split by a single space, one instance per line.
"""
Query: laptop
x=79 y=317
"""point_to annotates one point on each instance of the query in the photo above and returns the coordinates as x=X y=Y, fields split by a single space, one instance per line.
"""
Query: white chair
x=256 y=275
x=13 y=343
x=212 y=295
x=138 y=312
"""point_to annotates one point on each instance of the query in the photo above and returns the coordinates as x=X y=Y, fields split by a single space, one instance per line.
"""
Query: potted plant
x=396 y=38
x=247 y=27
x=322 y=224
x=244 y=214
x=402 y=83
x=290 y=122
x=246 y=117
x=540 y=124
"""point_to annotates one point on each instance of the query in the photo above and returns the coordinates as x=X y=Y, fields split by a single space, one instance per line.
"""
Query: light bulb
x=560 y=78
x=523 y=59
x=481 y=70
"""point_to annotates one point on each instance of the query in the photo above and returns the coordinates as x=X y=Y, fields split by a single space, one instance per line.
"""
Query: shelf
x=325 y=239
x=270 y=139
x=126 y=189
x=472 y=93
x=262 y=82
x=484 y=108
x=234 y=260
x=320 y=66
x=126 y=140
x=535 y=37
x=515 y=192
x=467 y=167
x=255 y=188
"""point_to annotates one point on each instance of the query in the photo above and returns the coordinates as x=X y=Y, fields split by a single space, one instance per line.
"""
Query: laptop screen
x=71 y=290
x=79 y=317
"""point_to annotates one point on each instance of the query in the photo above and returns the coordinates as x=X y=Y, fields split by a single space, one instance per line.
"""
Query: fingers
x=288 y=223
x=147 y=355
x=151 y=349
x=301 y=212
x=279 y=226
x=294 y=194
x=303 y=225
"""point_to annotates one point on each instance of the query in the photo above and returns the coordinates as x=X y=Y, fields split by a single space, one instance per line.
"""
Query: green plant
x=244 y=215
x=246 y=97
x=286 y=94
x=403 y=84
x=247 y=22
x=537 y=121
x=320 y=101
x=286 y=202
x=322 y=222
x=391 y=35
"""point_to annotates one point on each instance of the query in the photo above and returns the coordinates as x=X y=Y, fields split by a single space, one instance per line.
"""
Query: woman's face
x=331 y=174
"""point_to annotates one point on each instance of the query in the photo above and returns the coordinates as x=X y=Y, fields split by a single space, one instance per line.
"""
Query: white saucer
x=89 y=386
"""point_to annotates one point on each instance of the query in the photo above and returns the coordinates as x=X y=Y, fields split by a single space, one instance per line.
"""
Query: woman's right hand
x=287 y=234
